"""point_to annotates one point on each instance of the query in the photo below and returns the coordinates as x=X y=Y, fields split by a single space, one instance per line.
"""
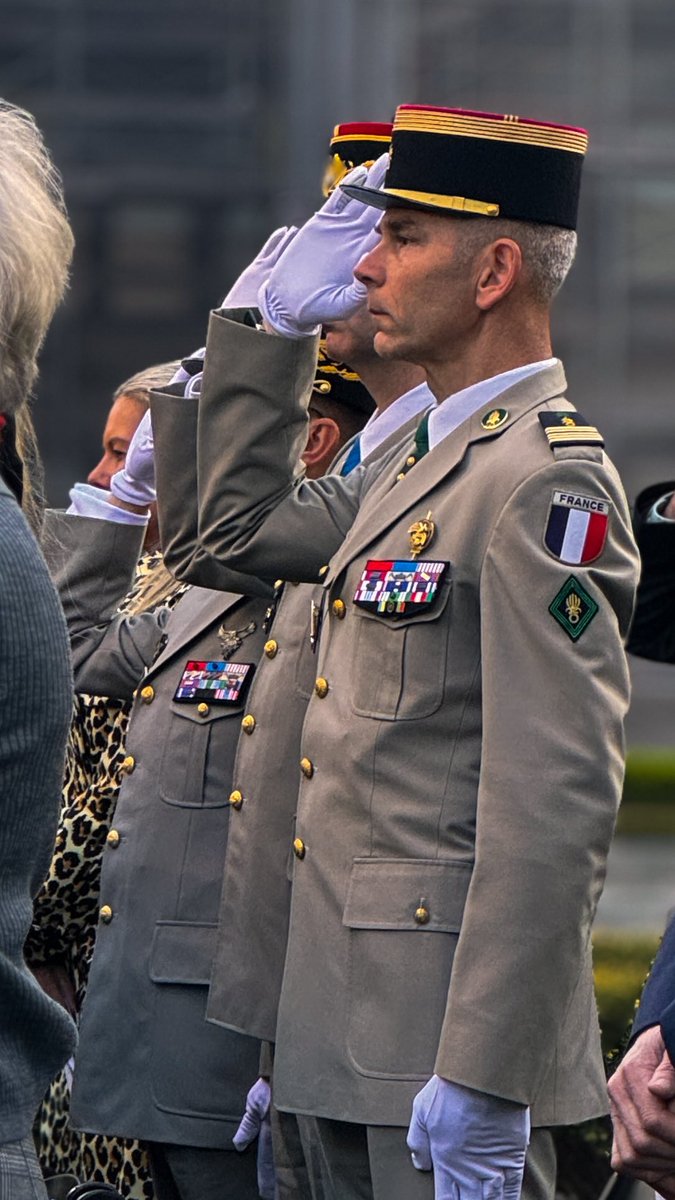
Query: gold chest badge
x=421 y=534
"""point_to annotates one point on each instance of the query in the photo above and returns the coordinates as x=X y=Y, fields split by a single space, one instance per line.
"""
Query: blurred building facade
x=185 y=132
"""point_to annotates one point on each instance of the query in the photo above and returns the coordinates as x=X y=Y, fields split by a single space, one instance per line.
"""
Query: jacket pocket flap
x=182 y=952
x=412 y=893
x=189 y=712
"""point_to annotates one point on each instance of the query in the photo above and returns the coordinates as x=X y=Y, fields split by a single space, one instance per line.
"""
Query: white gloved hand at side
x=255 y=1123
x=474 y=1143
x=135 y=483
x=244 y=291
x=313 y=281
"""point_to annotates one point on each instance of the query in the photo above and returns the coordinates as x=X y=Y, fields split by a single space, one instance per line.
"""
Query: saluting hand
x=313 y=281
x=135 y=483
x=244 y=291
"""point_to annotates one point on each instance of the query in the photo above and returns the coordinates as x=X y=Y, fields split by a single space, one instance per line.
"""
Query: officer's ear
x=499 y=267
x=323 y=442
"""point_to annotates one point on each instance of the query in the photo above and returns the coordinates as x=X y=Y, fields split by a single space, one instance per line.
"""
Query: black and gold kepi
x=336 y=381
x=354 y=144
x=481 y=164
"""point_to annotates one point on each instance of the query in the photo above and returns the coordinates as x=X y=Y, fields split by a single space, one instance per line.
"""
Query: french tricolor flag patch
x=577 y=527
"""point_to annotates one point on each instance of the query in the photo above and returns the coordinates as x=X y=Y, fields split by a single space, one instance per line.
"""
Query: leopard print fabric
x=66 y=914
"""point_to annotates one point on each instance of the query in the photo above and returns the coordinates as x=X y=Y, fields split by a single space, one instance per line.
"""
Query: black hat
x=351 y=145
x=337 y=382
x=481 y=164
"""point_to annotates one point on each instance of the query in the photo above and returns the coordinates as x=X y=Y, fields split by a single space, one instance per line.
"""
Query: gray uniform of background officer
x=149 y=1065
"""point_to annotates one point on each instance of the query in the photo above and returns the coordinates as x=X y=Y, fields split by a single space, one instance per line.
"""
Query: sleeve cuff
x=89 y=501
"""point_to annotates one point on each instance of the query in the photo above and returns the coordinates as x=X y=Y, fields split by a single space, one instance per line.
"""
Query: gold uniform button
x=323 y=571
x=147 y=694
x=299 y=848
x=248 y=723
x=113 y=839
x=278 y=583
x=422 y=915
x=128 y=764
x=236 y=799
x=203 y=709
x=106 y=914
x=410 y=461
x=321 y=687
x=339 y=609
x=307 y=767
x=400 y=476
x=271 y=648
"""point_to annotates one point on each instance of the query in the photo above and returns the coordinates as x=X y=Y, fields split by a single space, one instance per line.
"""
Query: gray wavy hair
x=36 y=248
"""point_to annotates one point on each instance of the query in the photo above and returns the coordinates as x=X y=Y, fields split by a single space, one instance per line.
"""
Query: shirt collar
x=382 y=424
x=447 y=416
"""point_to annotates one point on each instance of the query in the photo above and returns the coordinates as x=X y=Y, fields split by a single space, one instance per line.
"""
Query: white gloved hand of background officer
x=135 y=483
x=255 y=1123
x=313 y=281
x=474 y=1143
x=244 y=291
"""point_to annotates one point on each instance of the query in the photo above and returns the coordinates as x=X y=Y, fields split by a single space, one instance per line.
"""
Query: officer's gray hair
x=548 y=251
x=36 y=247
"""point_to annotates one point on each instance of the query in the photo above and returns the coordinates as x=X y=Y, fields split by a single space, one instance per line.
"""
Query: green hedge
x=650 y=776
x=648 y=805
x=622 y=962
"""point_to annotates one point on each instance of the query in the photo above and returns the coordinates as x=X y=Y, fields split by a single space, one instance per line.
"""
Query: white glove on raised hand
x=474 y=1143
x=135 y=483
x=313 y=281
x=244 y=291
x=255 y=1123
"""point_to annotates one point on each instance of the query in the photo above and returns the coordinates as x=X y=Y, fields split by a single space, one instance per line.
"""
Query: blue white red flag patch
x=577 y=526
x=397 y=587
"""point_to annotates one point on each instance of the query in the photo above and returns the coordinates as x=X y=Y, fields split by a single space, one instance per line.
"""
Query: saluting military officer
x=149 y=1065
x=255 y=901
x=462 y=754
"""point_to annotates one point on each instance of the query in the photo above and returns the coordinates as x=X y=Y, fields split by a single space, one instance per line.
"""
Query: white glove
x=182 y=376
x=474 y=1143
x=135 y=483
x=313 y=281
x=255 y=1123
x=244 y=291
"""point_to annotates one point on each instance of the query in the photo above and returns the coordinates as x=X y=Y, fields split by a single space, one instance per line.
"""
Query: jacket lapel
x=196 y=610
x=390 y=497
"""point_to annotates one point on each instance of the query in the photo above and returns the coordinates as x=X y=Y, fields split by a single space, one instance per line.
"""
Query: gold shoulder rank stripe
x=580 y=433
x=569 y=429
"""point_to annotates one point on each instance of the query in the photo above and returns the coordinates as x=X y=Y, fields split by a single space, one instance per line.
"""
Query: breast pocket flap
x=182 y=952
x=391 y=893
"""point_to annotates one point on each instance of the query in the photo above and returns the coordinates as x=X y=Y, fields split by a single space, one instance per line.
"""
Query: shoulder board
x=569 y=429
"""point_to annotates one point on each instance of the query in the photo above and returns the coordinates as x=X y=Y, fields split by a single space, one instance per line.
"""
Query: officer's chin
x=386 y=345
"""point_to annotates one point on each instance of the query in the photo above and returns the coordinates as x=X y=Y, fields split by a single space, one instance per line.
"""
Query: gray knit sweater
x=36 y=1035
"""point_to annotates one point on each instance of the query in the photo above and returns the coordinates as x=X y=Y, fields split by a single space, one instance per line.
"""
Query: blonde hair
x=138 y=386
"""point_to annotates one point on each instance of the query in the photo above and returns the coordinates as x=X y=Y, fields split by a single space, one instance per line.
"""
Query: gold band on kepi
x=338 y=383
x=352 y=144
x=464 y=163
